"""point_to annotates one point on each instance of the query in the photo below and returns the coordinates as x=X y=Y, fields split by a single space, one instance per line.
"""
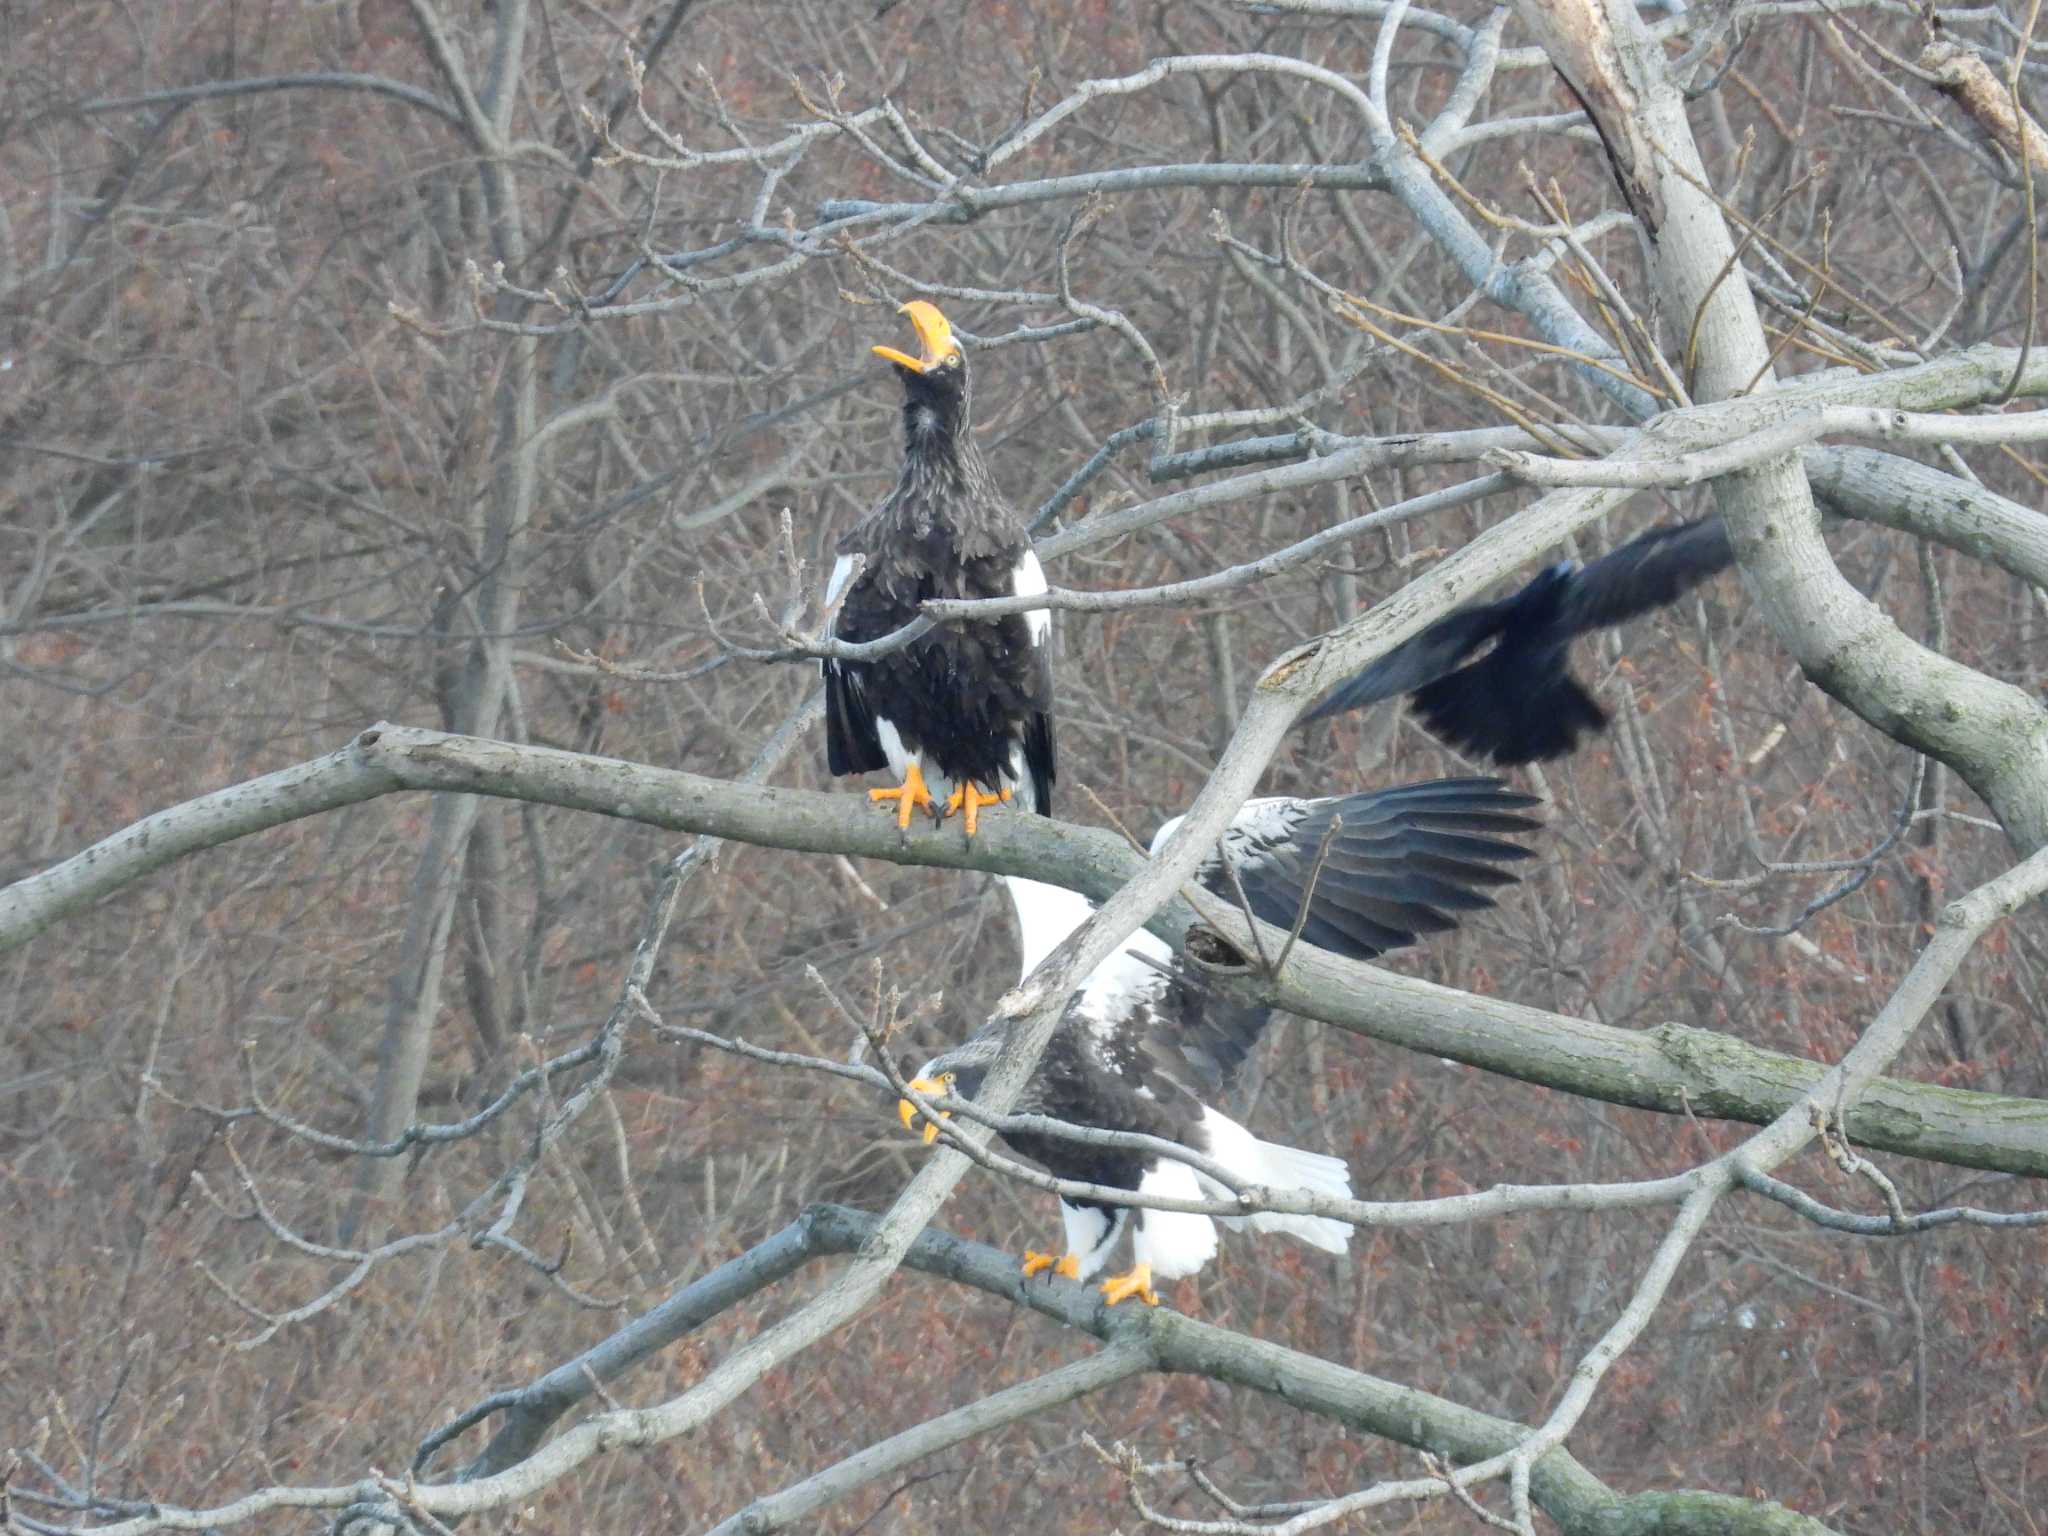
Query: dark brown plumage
x=1519 y=703
x=1146 y=1046
x=965 y=704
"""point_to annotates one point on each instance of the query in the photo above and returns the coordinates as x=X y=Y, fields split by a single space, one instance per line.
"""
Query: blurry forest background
x=269 y=479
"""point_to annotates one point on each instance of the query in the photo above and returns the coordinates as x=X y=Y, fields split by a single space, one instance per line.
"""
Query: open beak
x=934 y=338
x=931 y=1088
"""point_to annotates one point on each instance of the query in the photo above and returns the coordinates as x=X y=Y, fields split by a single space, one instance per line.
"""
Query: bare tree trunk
x=416 y=988
x=1994 y=735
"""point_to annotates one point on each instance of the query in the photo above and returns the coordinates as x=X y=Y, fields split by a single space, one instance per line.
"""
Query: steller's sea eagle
x=1145 y=1046
x=967 y=704
x=1519 y=702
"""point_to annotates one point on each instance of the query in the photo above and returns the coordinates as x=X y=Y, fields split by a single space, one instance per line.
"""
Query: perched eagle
x=1519 y=702
x=1145 y=1047
x=969 y=705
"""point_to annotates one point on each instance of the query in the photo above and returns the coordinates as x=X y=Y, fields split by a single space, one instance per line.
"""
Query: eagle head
x=957 y=1073
x=935 y=381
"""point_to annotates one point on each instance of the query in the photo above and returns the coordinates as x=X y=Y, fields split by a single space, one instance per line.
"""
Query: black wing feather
x=1519 y=703
x=1039 y=756
x=1199 y=1040
x=1420 y=659
x=852 y=744
x=1400 y=864
x=1652 y=570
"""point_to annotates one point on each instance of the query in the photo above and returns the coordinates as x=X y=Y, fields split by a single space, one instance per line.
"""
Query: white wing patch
x=1269 y=821
x=1028 y=580
x=1129 y=980
x=1018 y=772
x=842 y=568
x=1125 y=983
x=900 y=756
x=1266 y=821
x=1159 y=838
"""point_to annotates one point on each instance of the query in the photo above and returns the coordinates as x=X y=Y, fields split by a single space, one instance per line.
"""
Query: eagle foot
x=968 y=801
x=1137 y=1283
x=910 y=795
x=1067 y=1268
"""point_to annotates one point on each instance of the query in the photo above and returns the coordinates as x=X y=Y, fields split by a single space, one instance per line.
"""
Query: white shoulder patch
x=1046 y=914
x=1269 y=821
x=1028 y=580
x=1131 y=979
x=842 y=568
x=1159 y=838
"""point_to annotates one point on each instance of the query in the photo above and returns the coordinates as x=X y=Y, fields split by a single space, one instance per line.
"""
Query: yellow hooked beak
x=931 y=1088
x=934 y=336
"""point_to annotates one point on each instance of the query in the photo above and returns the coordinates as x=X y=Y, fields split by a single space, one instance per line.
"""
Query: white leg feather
x=1091 y=1234
x=1172 y=1242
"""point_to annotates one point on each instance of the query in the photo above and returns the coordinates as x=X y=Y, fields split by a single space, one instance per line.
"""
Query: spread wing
x=1519 y=702
x=1652 y=570
x=1400 y=862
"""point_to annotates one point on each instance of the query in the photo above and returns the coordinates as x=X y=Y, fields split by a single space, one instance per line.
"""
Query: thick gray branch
x=779 y=1511
x=1162 y=1340
x=1994 y=735
x=1675 y=1068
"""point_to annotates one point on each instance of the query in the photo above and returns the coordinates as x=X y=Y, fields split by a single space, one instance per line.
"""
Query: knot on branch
x=1213 y=955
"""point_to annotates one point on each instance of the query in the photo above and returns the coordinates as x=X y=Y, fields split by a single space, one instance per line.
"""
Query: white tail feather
x=1278 y=1168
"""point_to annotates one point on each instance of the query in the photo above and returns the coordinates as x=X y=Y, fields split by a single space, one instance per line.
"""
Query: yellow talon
x=910 y=795
x=1137 y=1283
x=1067 y=1267
x=968 y=800
x=932 y=1087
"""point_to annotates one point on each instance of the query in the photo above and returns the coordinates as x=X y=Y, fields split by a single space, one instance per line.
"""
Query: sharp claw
x=968 y=800
x=909 y=796
x=1067 y=1266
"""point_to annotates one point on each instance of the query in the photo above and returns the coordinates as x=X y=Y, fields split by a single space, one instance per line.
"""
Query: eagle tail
x=1281 y=1168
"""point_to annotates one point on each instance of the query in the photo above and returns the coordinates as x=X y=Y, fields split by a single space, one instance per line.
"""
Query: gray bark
x=479 y=703
x=1162 y=1340
x=1675 y=1069
x=1992 y=734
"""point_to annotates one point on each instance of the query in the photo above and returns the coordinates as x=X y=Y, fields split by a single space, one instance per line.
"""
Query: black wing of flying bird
x=1519 y=703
